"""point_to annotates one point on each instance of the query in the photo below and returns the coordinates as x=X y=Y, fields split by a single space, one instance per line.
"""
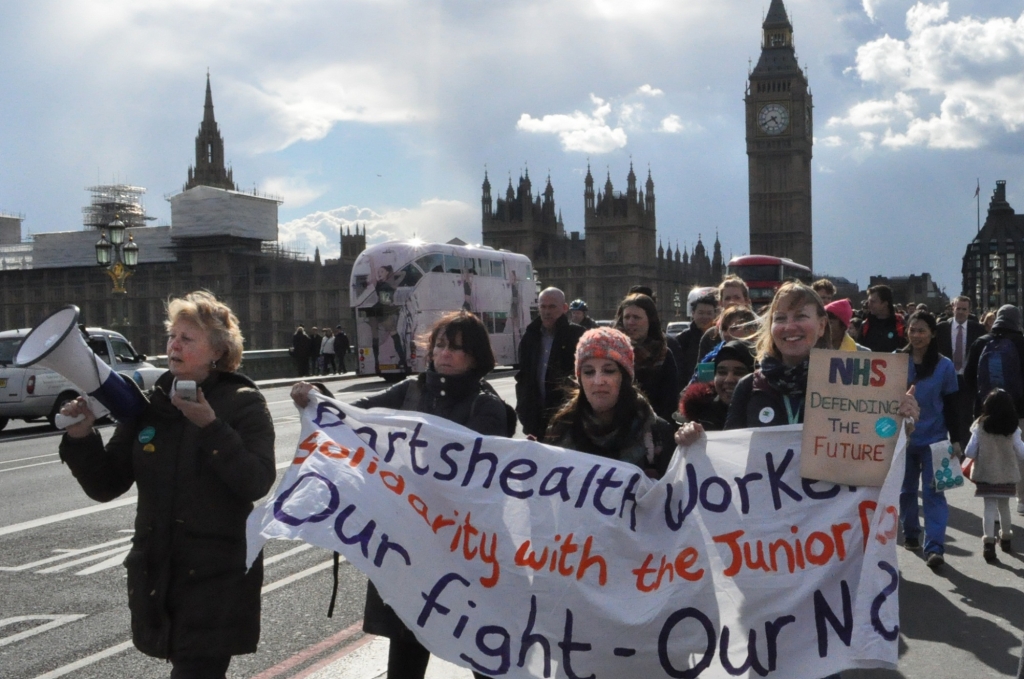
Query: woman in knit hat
x=840 y=313
x=655 y=366
x=707 y=403
x=606 y=414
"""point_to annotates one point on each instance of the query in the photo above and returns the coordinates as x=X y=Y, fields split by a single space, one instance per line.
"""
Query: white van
x=33 y=393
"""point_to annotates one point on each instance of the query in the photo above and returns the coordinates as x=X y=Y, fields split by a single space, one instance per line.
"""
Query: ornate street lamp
x=676 y=302
x=118 y=260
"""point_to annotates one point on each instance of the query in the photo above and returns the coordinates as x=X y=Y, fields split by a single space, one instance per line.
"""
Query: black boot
x=988 y=550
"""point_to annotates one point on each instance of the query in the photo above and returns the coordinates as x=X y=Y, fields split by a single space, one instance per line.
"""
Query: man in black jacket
x=703 y=312
x=547 y=357
x=955 y=338
x=883 y=329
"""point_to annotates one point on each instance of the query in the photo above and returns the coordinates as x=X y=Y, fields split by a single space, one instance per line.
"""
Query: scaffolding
x=122 y=201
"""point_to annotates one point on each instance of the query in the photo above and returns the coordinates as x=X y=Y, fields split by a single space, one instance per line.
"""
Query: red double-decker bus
x=764 y=274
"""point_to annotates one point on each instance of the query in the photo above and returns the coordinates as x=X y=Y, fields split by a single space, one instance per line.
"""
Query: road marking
x=86 y=661
x=33 y=457
x=284 y=555
x=298 y=576
x=26 y=466
x=315 y=668
x=104 y=565
x=85 y=511
x=114 y=650
x=67 y=554
x=73 y=514
x=85 y=559
x=55 y=621
x=308 y=653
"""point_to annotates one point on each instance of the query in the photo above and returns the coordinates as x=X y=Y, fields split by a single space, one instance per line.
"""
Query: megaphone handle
x=62 y=421
x=98 y=409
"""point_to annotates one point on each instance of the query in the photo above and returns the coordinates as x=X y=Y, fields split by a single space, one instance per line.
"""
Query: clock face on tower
x=773 y=118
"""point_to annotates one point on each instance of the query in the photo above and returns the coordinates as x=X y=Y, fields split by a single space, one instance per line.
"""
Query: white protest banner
x=524 y=560
x=850 y=419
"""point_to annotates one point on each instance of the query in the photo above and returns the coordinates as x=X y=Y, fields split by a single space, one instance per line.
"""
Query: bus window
x=360 y=281
x=412 y=276
x=433 y=263
x=471 y=266
x=498 y=269
x=757 y=272
x=452 y=264
x=500 y=319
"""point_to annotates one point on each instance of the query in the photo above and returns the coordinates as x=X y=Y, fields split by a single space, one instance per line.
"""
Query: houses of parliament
x=617 y=250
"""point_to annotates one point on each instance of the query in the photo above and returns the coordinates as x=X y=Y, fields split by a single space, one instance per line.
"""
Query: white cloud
x=649 y=91
x=294 y=191
x=970 y=70
x=432 y=220
x=870 y=6
x=307 y=105
x=878 y=111
x=672 y=124
x=579 y=131
x=832 y=141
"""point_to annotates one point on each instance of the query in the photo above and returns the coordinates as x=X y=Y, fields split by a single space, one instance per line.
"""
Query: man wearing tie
x=955 y=337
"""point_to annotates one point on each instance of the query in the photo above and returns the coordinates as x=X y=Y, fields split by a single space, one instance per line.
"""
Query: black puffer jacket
x=188 y=590
x=463 y=399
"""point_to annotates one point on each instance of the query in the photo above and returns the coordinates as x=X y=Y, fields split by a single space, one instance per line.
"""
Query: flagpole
x=977 y=201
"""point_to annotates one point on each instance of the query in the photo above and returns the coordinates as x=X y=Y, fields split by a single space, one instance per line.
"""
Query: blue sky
x=386 y=112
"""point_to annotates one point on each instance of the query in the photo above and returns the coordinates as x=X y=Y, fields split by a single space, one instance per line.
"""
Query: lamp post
x=118 y=260
x=676 y=302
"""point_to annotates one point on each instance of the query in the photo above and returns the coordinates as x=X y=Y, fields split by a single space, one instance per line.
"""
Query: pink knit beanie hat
x=605 y=343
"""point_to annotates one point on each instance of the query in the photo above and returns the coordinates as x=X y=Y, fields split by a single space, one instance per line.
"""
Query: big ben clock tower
x=779 y=139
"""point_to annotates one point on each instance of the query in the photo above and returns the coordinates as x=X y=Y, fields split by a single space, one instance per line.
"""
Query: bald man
x=547 y=356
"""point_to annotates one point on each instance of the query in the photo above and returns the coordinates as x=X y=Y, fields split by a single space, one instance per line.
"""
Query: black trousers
x=212 y=667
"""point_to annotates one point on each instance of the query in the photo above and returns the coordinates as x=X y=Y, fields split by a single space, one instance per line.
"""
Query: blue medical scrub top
x=931 y=426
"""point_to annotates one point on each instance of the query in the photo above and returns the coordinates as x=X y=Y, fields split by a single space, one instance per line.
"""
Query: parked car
x=33 y=393
x=676 y=327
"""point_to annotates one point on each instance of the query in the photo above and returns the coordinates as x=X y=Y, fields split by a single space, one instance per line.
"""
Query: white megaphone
x=57 y=343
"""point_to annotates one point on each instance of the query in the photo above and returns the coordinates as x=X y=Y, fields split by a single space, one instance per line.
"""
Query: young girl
x=995 y=447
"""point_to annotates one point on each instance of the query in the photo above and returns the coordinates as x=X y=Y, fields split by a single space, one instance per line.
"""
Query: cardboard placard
x=850 y=419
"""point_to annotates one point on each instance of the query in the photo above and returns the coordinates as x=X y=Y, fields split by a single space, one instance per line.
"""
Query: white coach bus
x=400 y=288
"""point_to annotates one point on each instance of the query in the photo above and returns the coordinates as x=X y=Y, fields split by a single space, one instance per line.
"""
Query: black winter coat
x=534 y=413
x=188 y=589
x=755 y=403
x=462 y=399
x=689 y=341
x=661 y=386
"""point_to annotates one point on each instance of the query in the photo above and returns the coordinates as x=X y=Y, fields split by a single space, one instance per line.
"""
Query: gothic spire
x=209 y=167
x=208 y=106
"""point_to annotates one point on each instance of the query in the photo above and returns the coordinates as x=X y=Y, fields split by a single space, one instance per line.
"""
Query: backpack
x=999 y=367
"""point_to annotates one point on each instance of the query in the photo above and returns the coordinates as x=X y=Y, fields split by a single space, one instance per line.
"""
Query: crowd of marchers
x=628 y=392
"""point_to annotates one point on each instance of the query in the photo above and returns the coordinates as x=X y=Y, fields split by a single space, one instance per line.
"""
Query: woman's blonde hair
x=791 y=295
x=216 y=319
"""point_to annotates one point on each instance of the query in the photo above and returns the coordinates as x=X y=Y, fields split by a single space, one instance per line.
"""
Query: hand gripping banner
x=519 y=559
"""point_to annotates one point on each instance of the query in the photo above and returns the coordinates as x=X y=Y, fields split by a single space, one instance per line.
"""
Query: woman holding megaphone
x=199 y=462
